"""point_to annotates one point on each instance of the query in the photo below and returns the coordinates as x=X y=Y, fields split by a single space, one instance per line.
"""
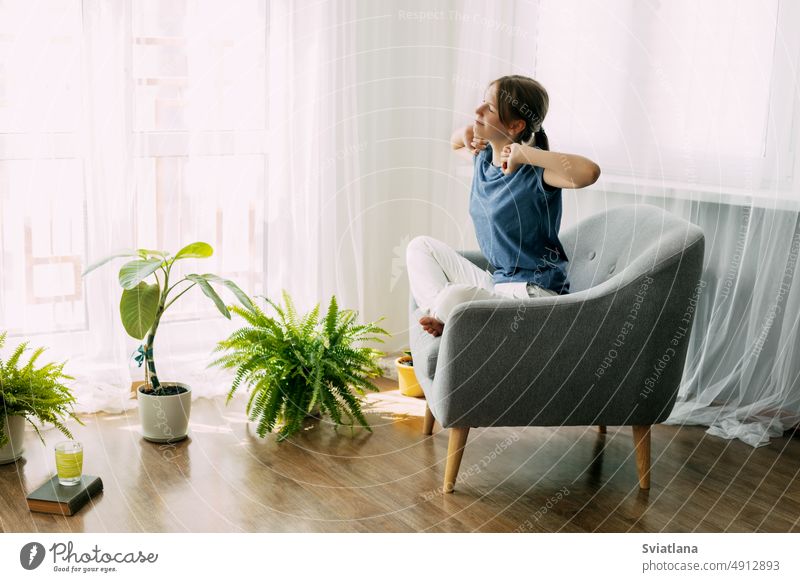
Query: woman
x=515 y=205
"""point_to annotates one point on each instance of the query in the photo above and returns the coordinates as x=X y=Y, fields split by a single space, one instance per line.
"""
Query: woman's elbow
x=591 y=175
x=595 y=174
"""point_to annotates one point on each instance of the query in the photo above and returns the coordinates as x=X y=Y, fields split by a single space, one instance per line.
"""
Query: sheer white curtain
x=101 y=364
x=742 y=375
x=154 y=124
x=689 y=106
x=65 y=156
x=315 y=244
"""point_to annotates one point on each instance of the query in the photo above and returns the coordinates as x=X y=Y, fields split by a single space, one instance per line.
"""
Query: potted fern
x=28 y=393
x=296 y=365
x=164 y=407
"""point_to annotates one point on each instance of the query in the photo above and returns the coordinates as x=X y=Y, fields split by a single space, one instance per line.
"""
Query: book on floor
x=52 y=497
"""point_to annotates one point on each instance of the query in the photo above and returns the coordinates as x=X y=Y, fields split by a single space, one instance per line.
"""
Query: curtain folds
x=314 y=238
x=742 y=375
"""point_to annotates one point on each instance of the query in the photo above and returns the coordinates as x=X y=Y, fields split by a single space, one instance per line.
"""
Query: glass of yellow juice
x=69 y=462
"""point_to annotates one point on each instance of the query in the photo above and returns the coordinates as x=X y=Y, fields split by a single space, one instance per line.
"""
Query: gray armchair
x=611 y=352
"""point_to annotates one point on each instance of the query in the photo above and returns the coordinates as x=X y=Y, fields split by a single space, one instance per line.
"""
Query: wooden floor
x=225 y=479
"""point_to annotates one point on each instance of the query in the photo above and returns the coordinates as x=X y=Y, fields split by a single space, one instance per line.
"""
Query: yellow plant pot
x=407 y=379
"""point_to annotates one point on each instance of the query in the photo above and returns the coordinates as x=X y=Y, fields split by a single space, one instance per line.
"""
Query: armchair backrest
x=634 y=236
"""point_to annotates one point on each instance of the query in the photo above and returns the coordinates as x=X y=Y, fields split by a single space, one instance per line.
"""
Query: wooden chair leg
x=641 y=440
x=455 y=450
x=602 y=428
x=427 y=426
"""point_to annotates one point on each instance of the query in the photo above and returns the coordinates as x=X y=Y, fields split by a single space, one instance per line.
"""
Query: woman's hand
x=473 y=144
x=510 y=158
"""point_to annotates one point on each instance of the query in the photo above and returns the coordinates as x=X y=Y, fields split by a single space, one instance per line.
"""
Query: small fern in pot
x=31 y=393
x=294 y=364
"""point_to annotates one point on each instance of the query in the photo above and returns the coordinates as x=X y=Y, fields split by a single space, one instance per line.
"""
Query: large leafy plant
x=143 y=304
x=34 y=393
x=293 y=364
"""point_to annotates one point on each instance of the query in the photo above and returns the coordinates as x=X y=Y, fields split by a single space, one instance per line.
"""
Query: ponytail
x=540 y=140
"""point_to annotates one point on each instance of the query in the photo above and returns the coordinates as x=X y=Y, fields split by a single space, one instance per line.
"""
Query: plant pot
x=14 y=427
x=409 y=386
x=165 y=419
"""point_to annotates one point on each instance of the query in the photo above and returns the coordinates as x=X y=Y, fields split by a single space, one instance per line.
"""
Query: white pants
x=440 y=279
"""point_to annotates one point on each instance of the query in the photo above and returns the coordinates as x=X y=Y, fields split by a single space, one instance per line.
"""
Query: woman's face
x=487 y=124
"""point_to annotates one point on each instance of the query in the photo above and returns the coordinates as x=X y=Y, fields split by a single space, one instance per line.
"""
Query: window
x=42 y=193
x=680 y=91
x=200 y=102
x=186 y=84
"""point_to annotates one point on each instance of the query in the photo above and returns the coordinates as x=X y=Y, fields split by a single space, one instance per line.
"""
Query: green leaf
x=101 y=262
x=145 y=253
x=196 y=250
x=234 y=288
x=138 y=308
x=133 y=272
x=210 y=293
x=330 y=318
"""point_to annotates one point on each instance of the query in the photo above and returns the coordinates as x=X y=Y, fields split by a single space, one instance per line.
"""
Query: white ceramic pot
x=165 y=419
x=14 y=426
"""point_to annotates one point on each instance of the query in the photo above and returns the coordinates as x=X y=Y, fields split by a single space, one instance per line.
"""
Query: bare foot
x=432 y=325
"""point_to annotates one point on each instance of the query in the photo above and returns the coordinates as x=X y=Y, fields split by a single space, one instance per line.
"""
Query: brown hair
x=520 y=97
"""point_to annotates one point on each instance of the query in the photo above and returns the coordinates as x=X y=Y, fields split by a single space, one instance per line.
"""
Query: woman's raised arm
x=561 y=170
x=464 y=139
x=461 y=137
